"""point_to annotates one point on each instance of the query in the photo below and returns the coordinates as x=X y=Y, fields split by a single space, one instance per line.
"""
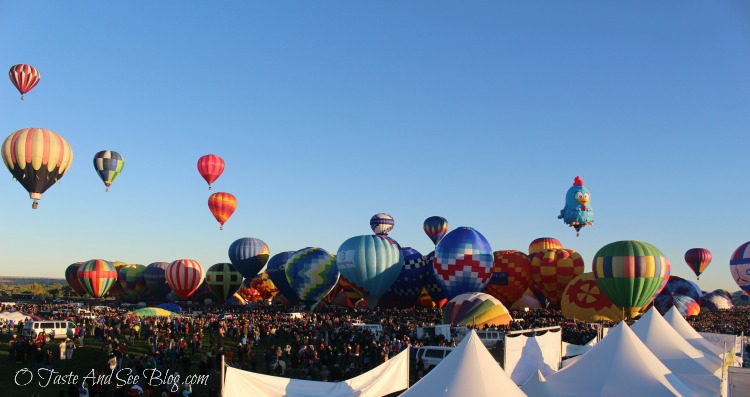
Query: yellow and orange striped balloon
x=222 y=206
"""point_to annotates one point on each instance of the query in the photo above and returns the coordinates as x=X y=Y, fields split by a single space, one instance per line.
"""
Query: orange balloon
x=553 y=269
x=222 y=205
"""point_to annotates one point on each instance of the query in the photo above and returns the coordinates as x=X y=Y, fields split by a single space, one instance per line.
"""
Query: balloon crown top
x=578 y=181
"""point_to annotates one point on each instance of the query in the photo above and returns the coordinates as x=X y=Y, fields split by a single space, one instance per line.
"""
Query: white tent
x=524 y=355
x=537 y=386
x=675 y=319
x=469 y=370
x=619 y=365
x=698 y=371
x=389 y=377
x=15 y=316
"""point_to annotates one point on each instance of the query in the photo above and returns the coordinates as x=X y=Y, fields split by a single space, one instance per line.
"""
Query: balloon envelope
x=629 y=273
x=224 y=280
x=511 y=276
x=133 y=281
x=698 y=259
x=312 y=272
x=435 y=227
x=382 y=224
x=410 y=281
x=715 y=302
x=276 y=272
x=544 y=243
x=156 y=280
x=71 y=276
x=184 y=276
x=248 y=255
x=210 y=167
x=476 y=309
x=97 y=276
x=37 y=158
x=583 y=300
x=552 y=270
x=740 y=298
x=463 y=262
x=24 y=77
x=108 y=164
x=739 y=266
x=222 y=206
x=372 y=263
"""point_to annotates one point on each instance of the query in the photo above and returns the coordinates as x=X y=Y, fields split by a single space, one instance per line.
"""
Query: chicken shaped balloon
x=577 y=213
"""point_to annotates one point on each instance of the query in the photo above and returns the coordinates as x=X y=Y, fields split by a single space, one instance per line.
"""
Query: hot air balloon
x=739 y=266
x=277 y=274
x=97 y=276
x=544 y=243
x=37 y=158
x=681 y=294
x=583 y=300
x=511 y=276
x=552 y=270
x=435 y=227
x=71 y=276
x=577 y=213
x=248 y=255
x=224 y=280
x=698 y=259
x=409 y=283
x=264 y=285
x=210 y=167
x=108 y=164
x=463 y=262
x=117 y=291
x=372 y=263
x=381 y=224
x=715 y=302
x=431 y=285
x=156 y=280
x=312 y=273
x=222 y=205
x=629 y=273
x=184 y=276
x=24 y=77
x=740 y=298
x=236 y=299
x=476 y=309
x=529 y=299
x=132 y=280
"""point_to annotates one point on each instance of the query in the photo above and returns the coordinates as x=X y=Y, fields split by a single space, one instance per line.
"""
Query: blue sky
x=329 y=112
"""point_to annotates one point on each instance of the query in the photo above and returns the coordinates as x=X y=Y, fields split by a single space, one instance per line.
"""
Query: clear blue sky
x=329 y=112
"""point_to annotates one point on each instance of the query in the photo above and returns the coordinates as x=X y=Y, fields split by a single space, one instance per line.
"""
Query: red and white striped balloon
x=184 y=276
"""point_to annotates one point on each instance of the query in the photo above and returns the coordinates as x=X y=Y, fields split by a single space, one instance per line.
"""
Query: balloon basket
x=34 y=205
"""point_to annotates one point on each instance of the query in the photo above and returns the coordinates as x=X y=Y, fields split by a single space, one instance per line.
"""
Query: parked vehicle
x=54 y=329
x=490 y=338
x=433 y=355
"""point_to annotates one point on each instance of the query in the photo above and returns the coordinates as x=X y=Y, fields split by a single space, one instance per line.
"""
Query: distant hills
x=7 y=280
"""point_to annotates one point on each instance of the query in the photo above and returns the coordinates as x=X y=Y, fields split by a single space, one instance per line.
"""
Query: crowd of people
x=323 y=345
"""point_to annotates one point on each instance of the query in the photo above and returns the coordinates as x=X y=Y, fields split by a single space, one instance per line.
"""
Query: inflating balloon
x=544 y=243
x=576 y=213
x=715 y=302
x=71 y=276
x=222 y=206
x=511 y=276
x=97 y=276
x=372 y=263
x=184 y=276
x=210 y=167
x=739 y=266
x=552 y=270
x=629 y=273
x=312 y=272
x=108 y=164
x=276 y=272
x=133 y=281
x=435 y=227
x=156 y=281
x=583 y=300
x=224 y=280
x=248 y=255
x=381 y=224
x=24 y=77
x=477 y=310
x=463 y=262
x=37 y=158
x=410 y=281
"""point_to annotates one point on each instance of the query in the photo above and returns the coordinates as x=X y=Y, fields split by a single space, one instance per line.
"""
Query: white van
x=490 y=338
x=433 y=355
x=54 y=329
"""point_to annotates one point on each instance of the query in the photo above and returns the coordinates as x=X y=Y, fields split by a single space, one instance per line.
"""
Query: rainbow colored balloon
x=97 y=276
x=132 y=280
x=372 y=263
x=698 y=259
x=312 y=273
x=511 y=276
x=739 y=266
x=463 y=262
x=476 y=309
x=435 y=227
x=553 y=269
x=629 y=272
x=224 y=280
x=685 y=304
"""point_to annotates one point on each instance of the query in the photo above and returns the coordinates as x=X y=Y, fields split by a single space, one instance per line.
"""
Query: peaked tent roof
x=679 y=324
x=537 y=386
x=469 y=370
x=619 y=365
x=697 y=370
